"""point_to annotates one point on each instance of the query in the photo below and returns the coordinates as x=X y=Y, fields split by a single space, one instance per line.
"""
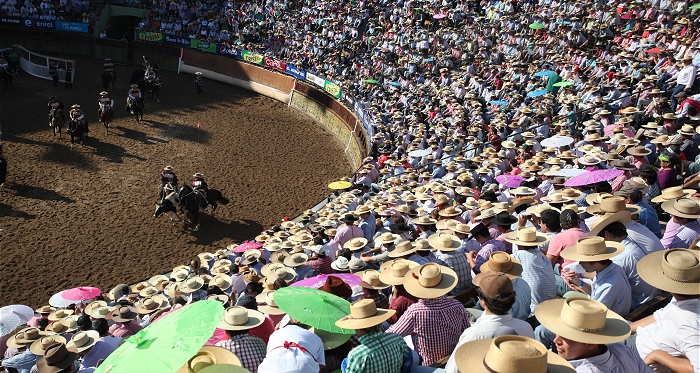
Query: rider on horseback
x=167 y=177
x=199 y=184
x=55 y=104
x=106 y=103
x=134 y=95
x=150 y=75
x=4 y=65
x=78 y=116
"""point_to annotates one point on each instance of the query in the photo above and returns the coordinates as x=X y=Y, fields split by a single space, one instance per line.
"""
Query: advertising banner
x=37 y=23
x=295 y=71
x=332 y=88
x=203 y=46
x=155 y=37
x=274 y=63
x=313 y=78
x=10 y=21
x=182 y=41
x=72 y=27
x=229 y=51
x=252 y=57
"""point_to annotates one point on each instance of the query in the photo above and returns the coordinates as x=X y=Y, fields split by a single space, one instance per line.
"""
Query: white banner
x=315 y=79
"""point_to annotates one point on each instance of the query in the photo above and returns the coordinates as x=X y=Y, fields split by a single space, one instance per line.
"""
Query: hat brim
x=93 y=337
x=616 y=328
x=413 y=287
x=611 y=249
x=269 y=310
x=348 y=322
x=35 y=347
x=468 y=356
x=669 y=208
x=649 y=269
x=42 y=366
x=540 y=239
x=596 y=209
x=661 y=199
x=385 y=274
x=255 y=318
x=224 y=359
x=115 y=317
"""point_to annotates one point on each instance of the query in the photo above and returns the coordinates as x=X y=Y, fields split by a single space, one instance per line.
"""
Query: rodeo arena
x=275 y=186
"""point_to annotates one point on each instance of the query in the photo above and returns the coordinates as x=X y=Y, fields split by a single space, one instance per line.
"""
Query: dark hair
x=233 y=333
x=648 y=173
x=616 y=229
x=254 y=287
x=603 y=187
x=500 y=305
x=84 y=322
x=42 y=324
x=550 y=218
x=280 y=283
x=636 y=195
x=214 y=290
x=344 y=253
x=100 y=326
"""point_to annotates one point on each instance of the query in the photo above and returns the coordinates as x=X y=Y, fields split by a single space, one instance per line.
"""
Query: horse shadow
x=212 y=230
x=181 y=131
x=111 y=152
x=139 y=136
x=7 y=210
x=61 y=153
x=35 y=192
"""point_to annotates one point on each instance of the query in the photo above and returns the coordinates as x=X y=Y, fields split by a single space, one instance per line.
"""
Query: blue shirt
x=649 y=218
x=368 y=226
x=641 y=291
x=617 y=359
x=537 y=272
x=22 y=362
x=610 y=287
x=521 y=307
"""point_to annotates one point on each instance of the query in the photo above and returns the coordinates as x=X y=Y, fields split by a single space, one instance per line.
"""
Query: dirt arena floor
x=84 y=217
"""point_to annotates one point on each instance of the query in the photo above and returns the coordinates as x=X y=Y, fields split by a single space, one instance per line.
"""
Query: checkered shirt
x=378 y=353
x=380 y=300
x=489 y=247
x=434 y=326
x=249 y=349
x=458 y=262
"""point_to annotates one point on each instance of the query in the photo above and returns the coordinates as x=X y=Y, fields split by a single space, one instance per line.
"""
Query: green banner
x=252 y=57
x=203 y=46
x=332 y=88
x=156 y=37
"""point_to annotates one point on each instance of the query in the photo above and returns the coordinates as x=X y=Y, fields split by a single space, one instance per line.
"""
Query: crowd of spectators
x=81 y=11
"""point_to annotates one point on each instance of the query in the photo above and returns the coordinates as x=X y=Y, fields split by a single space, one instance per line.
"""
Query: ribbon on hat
x=287 y=345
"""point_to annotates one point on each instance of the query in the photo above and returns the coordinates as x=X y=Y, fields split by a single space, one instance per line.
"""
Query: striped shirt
x=489 y=247
x=537 y=272
x=686 y=235
x=322 y=265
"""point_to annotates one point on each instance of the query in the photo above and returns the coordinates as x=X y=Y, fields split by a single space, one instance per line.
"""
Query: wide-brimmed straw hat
x=444 y=242
x=582 y=320
x=60 y=314
x=240 y=318
x=639 y=151
x=44 y=310
x=151 y=304
x=191 y=285
x=502 y=262
x=296 y=260
x=430 y=281
x=364 y=314
x=25 y=337
x=556 y=197
x=589 y=160
x=82 y=341
x=39 y=346
x=124 y=314
x=401 y=249
x=682 y=207
x=355 y=244
x=212 y=359
x=623 y=217
x=393 y=271
x=270 y=307
x=509 y=353
x=672 y=193
x=676 y=271
x=538 y=209
x=526 y=237
x=56 y=358
x=386 y=237
x=341 y=264
x=612 y=204
x=423 y=220
x=592 y=249
x=370 y=280
x=522 y=191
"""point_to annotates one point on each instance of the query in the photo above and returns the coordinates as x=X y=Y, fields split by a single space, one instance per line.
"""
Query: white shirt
x=675 y=332
x=686 y=76
x=484 y=328
x=281 y=359
x=617 y=359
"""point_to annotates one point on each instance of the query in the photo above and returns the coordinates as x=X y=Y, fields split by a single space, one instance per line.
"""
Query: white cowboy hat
x=240 y=318
x=371 y=280
x=430 y=281
x=393 y=271
x=444 y=242
x=83 y=340
x=526 y=237
x=198 y=174
x=103 y=93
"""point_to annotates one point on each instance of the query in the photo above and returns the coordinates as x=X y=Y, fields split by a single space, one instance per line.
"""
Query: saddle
x=202 y=198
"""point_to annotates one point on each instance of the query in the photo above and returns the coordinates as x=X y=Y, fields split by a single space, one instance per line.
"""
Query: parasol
x=395 y=84
x=537 y=93
x=653 y=50
x=544 y=73
x=593 y=177
x=568 y=172
x=696 y=6
x=499 y=102
x=313 y=307
x=536 y=26
x=339 y=185
x=371 y=81
x=511 y=181
x=57 y=300
x=419 y=153
x=320 y=280
x=564 y=83
x=609 y=130
x=439 y=16
x=557 y=141
x=168 y=344
x=13 y=316
x=247 y=245
x=81 y=293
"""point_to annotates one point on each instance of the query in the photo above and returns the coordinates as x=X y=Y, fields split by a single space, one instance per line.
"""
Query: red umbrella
x=247 y=245
x=593 y=177
x=81 y=293
x=653 y=50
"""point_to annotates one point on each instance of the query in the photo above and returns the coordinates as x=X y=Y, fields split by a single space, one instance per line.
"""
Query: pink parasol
x=511 y=181
x=81 y=293
x=439 y=16
x=247 y=245
x=653 y=50
x=609 y=130
x=320 y=280
x=593 y=177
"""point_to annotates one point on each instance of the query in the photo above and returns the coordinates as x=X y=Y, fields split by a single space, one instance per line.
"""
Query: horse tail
x=223 y=200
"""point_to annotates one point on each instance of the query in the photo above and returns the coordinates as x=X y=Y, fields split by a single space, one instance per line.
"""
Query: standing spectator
x=53 y=72
x=69 y=77
x=199 y=81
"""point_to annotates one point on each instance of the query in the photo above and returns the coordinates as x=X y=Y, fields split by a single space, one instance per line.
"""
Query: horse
x=108 y=77
x=105 y=117
x=136 y=108
x=56 y=121
x=165 y=189
x=75 y=129
x=194 y=200
x=6 y=76
x=168 y=204
x=154 y=87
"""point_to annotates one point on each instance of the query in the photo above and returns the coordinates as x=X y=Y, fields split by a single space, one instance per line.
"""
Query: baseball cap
x=318 y=249
x=493 y=283
x=625 y=191
x=568 y=215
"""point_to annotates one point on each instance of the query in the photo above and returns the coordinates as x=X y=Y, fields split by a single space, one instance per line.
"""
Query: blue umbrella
x=431 y=59
x=537 y=93
x=499 y=102
x=395 y=84
x=544 y=73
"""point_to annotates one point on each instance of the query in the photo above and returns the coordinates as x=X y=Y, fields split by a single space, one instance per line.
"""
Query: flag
x=198 y=125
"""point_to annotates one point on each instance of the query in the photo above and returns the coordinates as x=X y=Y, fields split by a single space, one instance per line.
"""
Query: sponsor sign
x=229 y=51
x=203 y=45
x=11 y=21
x=72 y=26
x=252 y=57
x=331 y=88
x=274 y=63
x=313 y=78
x=295 y=71
x=182 y=41
x=155 y=37
x=37 y=23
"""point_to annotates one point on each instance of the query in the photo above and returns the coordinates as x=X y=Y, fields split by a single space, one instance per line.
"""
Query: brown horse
x=105 y=118
x=136 y=108
x=57 y=122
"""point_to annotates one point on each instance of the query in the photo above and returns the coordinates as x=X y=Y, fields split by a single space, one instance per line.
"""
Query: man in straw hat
x=685 y=213
x=393 y=273
x=587 y=334
x=435 y=322
x=669 y=337
x=58 y=359
x=647 y=215
x=488 y=247
x=447 y=246
x=124 y=325
x=237 y=322
x=347 y=230
x=103 y=347
x=378 y=351
x=25 y=359
x=570 y=223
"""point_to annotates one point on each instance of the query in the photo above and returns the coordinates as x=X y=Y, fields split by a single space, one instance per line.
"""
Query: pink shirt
x=34 y=321
x=561 y=241
x=264 y=330
x=124 y=330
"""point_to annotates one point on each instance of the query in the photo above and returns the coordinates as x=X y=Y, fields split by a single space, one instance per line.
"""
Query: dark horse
x=57 y=121
x=6 y=76
x=136 y=108
x=76 y=130
x=191 y=201
x=105 y=117
x=154 y=88
x=108 y=77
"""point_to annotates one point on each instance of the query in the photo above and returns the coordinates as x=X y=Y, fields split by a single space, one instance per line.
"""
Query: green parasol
x=313 y=307
x=696 y=6
x=338 y=185
x=564 y=83
x=536 y=26
x=371 y=81
x=166 y=345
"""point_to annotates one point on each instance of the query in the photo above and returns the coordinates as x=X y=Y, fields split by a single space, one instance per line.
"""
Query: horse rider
x=167 y=177
x=134 y=94
x=55 y=104
x=4 y=65
x=109 y=68
x=199 y=184
x=199 y=81
x=78 y=116
x=106 y=103
x=145 y=64
x=149 y=77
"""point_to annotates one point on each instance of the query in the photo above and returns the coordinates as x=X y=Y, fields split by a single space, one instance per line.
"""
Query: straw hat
x=556 y=197
x=100 y=312
x=676 y=271
x=538 y=209
x=39 y=346
x=82 y=341
x=401 y=249
x=450 y=211
x=444 y=242
x=270 y=307
x=386 y=237
x=682 y=207
x=44 y=310
x=522 y=191
x=592 y=249
x=240 y=318
x=341 y=264
x=296 y=260
x=212 y=359
x=250 y=275
x=511 y=354
x=595 y=198
x=672 y=193
x=60 y=314
x=639 y=151
x=582 y=320
x=502 y=262
x=354 y=244
x=124 y=314
x=370 y=280
x=393 y=271
x=430 y=281
x=280 y=272
x=191 y=285
x=364 y=314
x=612 y=204
x=485 y=214
x=56 y=358
x=526 y=237
x=151 y=304
x=589 y=160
